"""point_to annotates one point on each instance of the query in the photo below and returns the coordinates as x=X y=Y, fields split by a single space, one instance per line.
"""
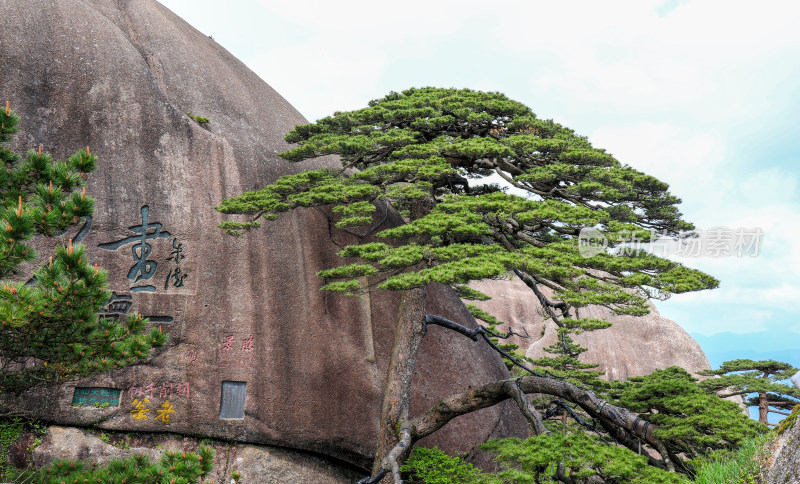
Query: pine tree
x=759 y=382
x=49 y=329
x=425 y=153
x=690 y=420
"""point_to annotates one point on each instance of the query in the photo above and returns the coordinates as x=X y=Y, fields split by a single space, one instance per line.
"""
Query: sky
x=703 y=95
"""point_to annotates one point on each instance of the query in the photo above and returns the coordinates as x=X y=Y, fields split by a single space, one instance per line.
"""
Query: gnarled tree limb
x=528 y=411
x=626 y=422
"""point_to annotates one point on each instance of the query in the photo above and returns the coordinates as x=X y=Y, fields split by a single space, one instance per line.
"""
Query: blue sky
x=704 y=95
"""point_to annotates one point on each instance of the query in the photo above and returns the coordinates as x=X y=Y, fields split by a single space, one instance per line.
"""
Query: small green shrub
x=10 y=431
x=173 y=467
x=432 y=466
x=197 y=119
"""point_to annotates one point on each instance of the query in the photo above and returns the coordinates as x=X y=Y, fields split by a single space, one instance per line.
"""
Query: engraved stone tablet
x=232 y=401
x=95 y=397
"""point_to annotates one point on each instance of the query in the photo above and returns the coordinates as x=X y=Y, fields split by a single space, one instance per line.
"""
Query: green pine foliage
x=580 y=456
x=433 y=466
x=759 y=382
x=172 y=468
x=583 y=456
x=564 y=361
x=690 y=419
x=417 y=150
x=712 y=435
x=49 y=330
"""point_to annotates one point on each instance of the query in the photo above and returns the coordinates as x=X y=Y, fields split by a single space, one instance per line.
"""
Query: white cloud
x=738 y=295
x=705 y=62
x=342 y=65
x=678 y=155
x=320 y=87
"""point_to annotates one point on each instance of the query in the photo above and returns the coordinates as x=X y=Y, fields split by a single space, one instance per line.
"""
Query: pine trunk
x=397 y=388
x=763 y=408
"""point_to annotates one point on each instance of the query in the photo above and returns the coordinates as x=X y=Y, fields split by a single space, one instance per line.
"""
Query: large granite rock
x=632 y=346
x=784 y=462
x=256 y=352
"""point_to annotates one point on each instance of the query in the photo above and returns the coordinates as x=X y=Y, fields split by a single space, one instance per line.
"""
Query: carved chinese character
x=118 y=305
x=166 y=390
x=175 y=277
x=164 y=413
x=227 y=344
x=183 y=389
x=247 y=344
x=143 y=269
x=177 y=252
x=140 y=409
x=191 y=355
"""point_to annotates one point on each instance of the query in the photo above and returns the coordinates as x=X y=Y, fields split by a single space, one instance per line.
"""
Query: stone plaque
x=95 y=397
x=232 y=400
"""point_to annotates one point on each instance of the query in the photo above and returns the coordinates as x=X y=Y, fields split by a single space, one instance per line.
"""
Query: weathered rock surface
x=246 y=319
x=633 y=346
x=785 y=467
x=255 y=463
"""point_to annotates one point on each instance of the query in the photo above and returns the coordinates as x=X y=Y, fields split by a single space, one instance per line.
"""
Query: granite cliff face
x=632 y=346
x=256 y=353
x=784 y=465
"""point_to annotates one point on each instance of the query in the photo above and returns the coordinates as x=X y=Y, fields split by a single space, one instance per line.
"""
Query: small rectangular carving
x=232 y=399
x=95 y=397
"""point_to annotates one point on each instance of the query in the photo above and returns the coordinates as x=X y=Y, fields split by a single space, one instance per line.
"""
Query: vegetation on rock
x=49 y=329
x=172 y=468
x=537 y=459
x=197 y=119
